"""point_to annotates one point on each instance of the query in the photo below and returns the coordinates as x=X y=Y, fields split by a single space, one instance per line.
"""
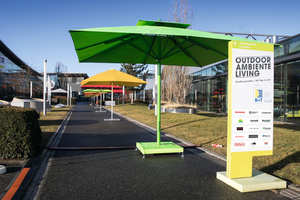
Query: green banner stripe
x=252 y=46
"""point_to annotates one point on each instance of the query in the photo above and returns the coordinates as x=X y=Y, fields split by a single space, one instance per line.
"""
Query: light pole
x=45 y=82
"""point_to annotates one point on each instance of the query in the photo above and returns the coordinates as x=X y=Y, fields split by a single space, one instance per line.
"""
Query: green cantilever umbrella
x=93 y=91
x=152 y=42
x=98 y=91
x=102 y=91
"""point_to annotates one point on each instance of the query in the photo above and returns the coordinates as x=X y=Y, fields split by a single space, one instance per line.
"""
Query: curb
x=31 y=166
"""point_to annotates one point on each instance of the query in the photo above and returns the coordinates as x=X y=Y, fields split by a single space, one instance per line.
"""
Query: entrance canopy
x=59 y=90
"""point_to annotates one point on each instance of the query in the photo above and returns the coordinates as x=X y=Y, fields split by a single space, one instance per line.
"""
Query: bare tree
x=61 y=71
x=182 y=12
x=20 y=81
x=17 y=81
x=168 y=83
x=175 y=79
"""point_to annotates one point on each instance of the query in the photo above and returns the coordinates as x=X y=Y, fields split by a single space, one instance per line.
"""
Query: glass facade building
x=287 y=80
x=209 y=90
x=73 y=79
x=15 y=77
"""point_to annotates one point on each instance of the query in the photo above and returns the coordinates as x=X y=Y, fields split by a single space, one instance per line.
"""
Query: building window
x=279 y=51
x=293 y=46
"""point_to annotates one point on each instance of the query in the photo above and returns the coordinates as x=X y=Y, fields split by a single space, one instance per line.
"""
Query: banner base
x=258 y=181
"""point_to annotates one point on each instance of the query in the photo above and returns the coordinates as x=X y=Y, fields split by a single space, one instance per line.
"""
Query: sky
x=36 y=30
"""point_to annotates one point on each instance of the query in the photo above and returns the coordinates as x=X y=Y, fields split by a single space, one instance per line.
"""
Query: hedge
x=20 y=133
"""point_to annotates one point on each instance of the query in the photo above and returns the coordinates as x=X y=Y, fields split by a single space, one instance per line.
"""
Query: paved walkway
x=123 y=173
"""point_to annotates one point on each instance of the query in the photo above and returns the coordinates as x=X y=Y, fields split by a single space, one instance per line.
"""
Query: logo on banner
x=240 y=112
x=241 y=121
x=253 y=143
x=254 y=128
x=258 y=95
x=266 y=112
x=239 y=136
x=239 y=144
x=266 y=135
x=253 y=136
x=266 y=120
x=52 y=84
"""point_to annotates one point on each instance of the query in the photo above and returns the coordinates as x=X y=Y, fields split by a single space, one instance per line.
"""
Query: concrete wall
x=33 y=103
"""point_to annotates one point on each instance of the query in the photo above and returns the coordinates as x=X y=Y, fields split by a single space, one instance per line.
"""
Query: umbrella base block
x=259 y=181
x=153 y=148
x=110 y=120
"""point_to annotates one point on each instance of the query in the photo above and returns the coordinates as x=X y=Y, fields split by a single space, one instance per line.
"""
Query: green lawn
x=50 y=122
x=206 y=129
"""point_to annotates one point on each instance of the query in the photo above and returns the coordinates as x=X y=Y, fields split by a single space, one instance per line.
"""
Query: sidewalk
x=13 y=167
x=123 y=173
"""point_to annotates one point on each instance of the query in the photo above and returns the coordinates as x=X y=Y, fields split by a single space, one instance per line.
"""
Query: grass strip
x=50 y=122
x=208 y=128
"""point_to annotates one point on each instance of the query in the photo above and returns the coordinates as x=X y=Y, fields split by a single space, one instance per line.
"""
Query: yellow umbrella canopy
x=115 y=77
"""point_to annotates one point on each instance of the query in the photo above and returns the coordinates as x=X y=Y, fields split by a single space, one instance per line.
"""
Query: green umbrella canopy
x=91 y=91
x=96 y=91
x=105 y=91
x=140 y=44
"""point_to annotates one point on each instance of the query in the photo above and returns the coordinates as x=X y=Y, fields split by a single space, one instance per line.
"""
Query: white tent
x=59 y=90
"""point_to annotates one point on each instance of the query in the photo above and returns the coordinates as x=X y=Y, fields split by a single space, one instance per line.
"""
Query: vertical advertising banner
x=252 y=84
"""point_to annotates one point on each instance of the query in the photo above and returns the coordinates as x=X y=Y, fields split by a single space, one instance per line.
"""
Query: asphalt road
x=123 y=173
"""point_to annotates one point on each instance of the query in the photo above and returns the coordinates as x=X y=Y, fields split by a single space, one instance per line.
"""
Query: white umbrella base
x=2 y=169
x=108 y=120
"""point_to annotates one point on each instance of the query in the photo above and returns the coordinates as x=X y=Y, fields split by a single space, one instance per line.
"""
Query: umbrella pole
x=101 y=101
x=123 y=94
x=112 y=94
x=158 y=92
x=158 y=102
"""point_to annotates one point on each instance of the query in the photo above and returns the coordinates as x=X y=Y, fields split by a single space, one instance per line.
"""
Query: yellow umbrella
x=113 y=77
